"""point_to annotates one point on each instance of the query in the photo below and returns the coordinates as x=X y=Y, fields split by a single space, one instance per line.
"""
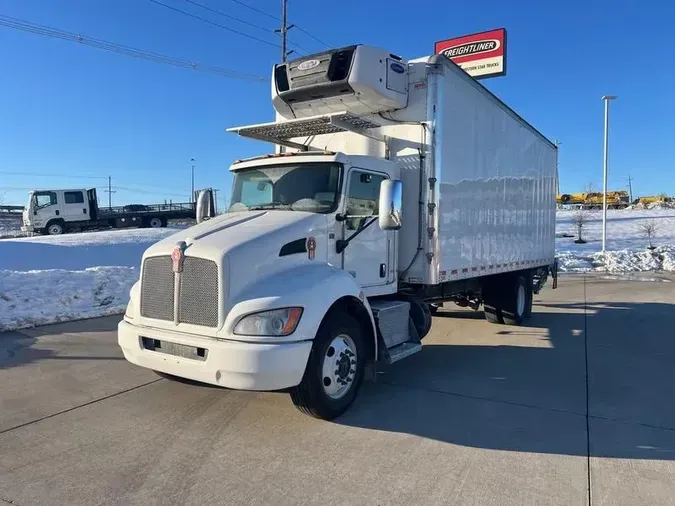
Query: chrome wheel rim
x=339 y=367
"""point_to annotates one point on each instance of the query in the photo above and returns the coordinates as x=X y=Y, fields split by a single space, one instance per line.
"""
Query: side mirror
x=390 y=205
x=204 y=206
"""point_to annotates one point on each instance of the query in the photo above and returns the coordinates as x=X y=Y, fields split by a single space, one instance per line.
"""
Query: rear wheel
x=492 y=302
x=515 y=301
x=155 y=222
x=334 y=370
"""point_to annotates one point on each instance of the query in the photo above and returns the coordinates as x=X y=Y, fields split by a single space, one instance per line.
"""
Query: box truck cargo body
x=396 y=186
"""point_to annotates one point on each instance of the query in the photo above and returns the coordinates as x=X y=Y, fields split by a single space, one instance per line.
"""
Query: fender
x=314 y=287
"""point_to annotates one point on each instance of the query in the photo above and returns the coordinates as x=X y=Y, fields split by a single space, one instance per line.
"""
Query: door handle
x=57 y=212
x=383 y=270
x=84 y=211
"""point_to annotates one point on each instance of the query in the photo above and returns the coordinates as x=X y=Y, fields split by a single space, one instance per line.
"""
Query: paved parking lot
x=581 y=396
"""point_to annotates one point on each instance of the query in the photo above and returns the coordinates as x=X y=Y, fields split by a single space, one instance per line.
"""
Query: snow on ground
x=627 y=246
x=48 y=279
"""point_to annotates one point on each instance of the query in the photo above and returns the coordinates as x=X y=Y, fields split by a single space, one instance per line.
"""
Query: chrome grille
x=157 y=287
x=198 y=294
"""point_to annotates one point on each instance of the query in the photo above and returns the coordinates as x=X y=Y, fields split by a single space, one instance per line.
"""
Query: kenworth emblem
x=178 y=256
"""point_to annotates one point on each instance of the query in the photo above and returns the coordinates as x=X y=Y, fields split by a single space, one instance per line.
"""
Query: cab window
x=73 y=197
x=45 y=199
x=363 y=196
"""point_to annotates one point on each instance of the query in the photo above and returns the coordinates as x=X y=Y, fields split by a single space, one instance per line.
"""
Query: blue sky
x=69 y=109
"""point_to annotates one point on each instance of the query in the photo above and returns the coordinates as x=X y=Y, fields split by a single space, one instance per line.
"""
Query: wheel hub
x=339 y=366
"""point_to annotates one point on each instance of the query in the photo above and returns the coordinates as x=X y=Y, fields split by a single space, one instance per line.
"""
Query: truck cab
x=50 y=210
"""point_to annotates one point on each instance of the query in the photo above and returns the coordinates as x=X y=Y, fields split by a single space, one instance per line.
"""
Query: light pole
x=192 y=193
x=606 y=99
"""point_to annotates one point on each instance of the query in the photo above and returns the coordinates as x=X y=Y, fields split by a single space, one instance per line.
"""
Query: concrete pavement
x=486 y=414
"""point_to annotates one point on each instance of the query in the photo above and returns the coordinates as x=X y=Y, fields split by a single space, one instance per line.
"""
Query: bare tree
x=649 y=229
x=590 y=187
x=580 y=220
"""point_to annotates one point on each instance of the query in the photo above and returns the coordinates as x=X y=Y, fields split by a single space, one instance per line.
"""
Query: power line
x=33 y=174
x=276 y=18
x=312 y=36
x=19 y=24
x=221 y=13
x=186 y=13
x=256 y=10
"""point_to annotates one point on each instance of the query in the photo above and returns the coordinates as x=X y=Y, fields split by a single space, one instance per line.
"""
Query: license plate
x=175 y=349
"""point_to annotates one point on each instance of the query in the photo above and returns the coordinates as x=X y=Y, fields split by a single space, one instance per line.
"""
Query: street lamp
x=606 y=99
x=192 y=193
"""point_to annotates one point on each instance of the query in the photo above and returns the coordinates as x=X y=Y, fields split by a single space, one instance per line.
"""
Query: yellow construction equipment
x=593 y=200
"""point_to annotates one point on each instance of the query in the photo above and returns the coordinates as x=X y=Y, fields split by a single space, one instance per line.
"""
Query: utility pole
x=110 y=191
x=606 y=99
x=630 y=188
x=284 y=31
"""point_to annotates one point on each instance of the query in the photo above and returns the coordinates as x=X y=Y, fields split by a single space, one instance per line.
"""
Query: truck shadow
x=25 y=346
x=528 y=394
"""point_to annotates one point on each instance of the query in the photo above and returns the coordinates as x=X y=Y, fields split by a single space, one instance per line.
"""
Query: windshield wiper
x=269 y=205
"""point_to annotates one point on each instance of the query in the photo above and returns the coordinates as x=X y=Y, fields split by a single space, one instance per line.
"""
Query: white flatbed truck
x=58 y=211
x=297 y=287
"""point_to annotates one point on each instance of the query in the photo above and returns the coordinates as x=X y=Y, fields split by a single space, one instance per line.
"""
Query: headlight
x=277 y=322
x=129 y=313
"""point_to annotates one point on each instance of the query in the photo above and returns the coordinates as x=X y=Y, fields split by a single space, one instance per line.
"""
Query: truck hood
x=247 y=245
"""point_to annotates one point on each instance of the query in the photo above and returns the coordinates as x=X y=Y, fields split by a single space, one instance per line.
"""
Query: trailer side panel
x=495 y=184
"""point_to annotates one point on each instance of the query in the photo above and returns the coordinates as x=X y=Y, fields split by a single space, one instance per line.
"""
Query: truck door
x=369 y=256
x=75 y=206
x=45 y=208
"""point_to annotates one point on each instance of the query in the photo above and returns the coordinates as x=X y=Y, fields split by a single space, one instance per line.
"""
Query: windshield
x=312 y=187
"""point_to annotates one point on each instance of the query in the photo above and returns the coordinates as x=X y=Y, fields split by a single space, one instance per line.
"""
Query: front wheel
x=55 y=228
x=334 y=370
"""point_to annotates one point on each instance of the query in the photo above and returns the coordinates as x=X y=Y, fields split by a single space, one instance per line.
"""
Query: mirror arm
x=341 y=244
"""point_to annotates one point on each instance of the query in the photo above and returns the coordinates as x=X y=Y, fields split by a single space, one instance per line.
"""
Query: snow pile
x=660 y=259
x=37 y=297
x=627 y=244
x=59 y=278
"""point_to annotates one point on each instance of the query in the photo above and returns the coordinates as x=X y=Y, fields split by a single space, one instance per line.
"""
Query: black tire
x=55 y=228
x=515 y=301
x=492 y=302
x=155 y=222
x=433 y=309
x=310 y=395
x=529 y=291
x=493 y=314
x=420 y=314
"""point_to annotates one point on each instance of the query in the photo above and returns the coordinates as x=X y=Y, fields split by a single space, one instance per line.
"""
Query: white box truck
x=297 y=287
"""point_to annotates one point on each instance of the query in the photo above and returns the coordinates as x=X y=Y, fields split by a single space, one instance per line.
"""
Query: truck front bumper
x=230 y=364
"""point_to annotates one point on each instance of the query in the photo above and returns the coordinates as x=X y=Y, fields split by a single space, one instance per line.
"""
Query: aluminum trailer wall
x=495 y=192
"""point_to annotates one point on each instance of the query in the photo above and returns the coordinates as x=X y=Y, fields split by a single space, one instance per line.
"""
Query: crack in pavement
x=25 y=424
